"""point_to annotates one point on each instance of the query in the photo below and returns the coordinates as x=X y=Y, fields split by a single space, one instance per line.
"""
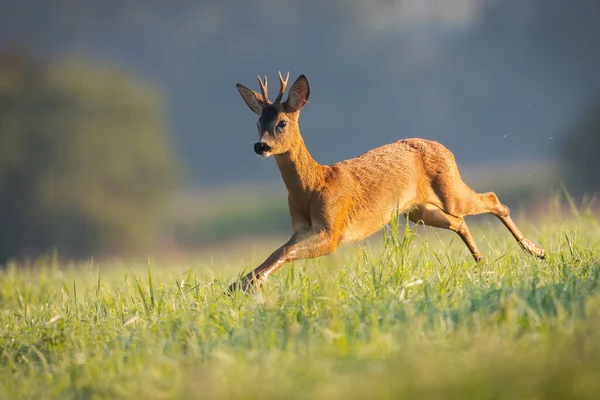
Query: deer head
x=278 y=122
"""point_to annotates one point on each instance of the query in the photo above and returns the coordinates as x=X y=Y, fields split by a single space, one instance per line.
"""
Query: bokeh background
x=121 y=131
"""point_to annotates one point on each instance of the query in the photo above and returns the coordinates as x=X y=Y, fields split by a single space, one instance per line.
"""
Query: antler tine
x=283 y=85
x=263 y=89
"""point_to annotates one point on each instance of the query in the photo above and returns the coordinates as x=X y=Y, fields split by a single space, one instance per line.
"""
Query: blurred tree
x=578 y=152
x=85 y=164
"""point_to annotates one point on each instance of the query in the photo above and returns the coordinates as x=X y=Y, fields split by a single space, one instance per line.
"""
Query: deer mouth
x=262 y=149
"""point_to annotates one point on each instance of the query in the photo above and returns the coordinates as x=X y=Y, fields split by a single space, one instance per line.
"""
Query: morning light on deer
x=352 y=199
x=428 y=228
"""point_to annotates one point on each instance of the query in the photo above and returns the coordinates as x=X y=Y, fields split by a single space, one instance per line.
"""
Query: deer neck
x=300 y=172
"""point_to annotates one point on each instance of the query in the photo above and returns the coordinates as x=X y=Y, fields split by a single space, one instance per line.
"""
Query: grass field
x=404 y=316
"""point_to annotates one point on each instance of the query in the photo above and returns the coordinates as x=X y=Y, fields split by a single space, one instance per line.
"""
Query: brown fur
x=354 y=198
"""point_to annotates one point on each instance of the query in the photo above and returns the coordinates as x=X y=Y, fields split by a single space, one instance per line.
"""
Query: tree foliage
x=85 y=163
x=578 y=153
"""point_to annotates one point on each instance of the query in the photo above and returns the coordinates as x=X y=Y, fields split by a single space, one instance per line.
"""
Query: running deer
x=352 y=199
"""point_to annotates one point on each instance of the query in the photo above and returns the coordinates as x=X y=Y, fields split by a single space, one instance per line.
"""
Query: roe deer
x=352 y=199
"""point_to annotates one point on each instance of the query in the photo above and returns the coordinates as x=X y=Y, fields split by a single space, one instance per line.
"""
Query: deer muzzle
x=262 y=149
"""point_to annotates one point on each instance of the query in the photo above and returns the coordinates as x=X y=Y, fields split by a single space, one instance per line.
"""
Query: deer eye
x=281 y=124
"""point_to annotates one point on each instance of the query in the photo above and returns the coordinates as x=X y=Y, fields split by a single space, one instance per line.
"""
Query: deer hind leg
x=492 y=205
x=481 y=203
x=433 y=216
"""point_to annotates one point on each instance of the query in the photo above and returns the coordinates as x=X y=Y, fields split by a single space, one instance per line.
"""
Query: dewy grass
x=409 y=316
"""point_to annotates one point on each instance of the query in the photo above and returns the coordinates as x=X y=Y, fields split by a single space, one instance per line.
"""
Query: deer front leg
x=301 y=246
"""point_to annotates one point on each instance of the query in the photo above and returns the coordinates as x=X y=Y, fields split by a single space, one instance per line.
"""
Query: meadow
x=405 y=315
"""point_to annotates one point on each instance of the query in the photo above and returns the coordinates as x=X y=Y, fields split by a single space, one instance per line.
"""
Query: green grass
x=409 y=316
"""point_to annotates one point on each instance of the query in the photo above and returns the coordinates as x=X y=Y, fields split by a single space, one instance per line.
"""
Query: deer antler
x=263 y=89
x=283 y=84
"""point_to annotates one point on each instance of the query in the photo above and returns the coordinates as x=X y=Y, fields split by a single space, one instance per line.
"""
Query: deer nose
x=261 y=147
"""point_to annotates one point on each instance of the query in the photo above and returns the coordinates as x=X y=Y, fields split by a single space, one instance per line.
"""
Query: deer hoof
x=245 y=285
x=532 y=248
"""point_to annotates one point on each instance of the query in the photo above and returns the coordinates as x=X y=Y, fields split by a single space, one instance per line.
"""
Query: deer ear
x=298 y=95
x=254 y=100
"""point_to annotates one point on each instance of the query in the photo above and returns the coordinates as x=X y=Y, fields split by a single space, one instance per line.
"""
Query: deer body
x=353 y=199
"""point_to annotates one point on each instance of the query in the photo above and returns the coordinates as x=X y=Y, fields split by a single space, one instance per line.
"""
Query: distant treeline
x=85 y=162
x=579 y=152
